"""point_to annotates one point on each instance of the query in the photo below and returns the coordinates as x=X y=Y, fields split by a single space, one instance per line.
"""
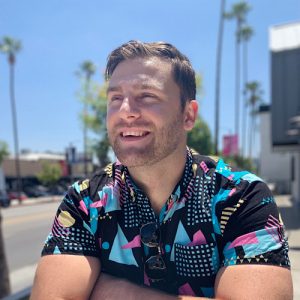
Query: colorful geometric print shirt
x=215 y=217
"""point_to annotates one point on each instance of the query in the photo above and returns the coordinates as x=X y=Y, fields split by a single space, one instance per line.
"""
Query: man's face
x=144 y=118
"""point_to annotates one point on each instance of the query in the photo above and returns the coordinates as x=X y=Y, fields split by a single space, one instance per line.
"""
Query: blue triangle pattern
x=112 y=199
x=86 y=226
x=56 y=250
x=181 y=237
x=75 y=185
x=251 y=178
x=177 y=205
x=119 y=255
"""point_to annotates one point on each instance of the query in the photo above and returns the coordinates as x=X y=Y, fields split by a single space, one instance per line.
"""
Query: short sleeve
x=72 y=231
x=253 y=232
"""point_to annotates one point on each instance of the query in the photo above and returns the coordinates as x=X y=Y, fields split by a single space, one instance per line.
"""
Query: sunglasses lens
x=150 y=235
x=155 y=268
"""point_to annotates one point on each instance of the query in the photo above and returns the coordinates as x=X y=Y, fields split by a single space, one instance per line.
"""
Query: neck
x=159 y=180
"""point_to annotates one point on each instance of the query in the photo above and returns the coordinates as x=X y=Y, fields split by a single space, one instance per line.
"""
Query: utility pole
x=218 y=76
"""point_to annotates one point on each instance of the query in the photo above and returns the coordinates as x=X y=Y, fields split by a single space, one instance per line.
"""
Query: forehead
x=146 y=72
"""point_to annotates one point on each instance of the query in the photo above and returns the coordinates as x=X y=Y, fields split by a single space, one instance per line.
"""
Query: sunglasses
x=155 y=267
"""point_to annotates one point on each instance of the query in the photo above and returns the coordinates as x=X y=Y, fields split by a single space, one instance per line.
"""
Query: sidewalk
x=38 y=200
x=291 y=218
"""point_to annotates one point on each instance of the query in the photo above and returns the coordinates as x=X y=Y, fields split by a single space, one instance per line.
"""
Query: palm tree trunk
x=253 y=139
x=4 y=274
x=244 y=113
x=87 y=89
x=218 y=76
x=85 y=141
x=15 y=130
x=237 y=87
x=251 y=127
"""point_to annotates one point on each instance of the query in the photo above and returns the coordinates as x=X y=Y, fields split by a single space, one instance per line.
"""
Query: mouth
x=129 y=134
x=134 y=136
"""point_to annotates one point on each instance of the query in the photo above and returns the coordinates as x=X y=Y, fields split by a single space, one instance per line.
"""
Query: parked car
x=4 y=199
x=36 y=191
x=13 y=195
x=57 y=190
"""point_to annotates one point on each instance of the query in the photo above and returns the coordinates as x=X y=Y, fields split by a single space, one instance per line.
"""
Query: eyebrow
x=113 y=89
x=147 y=86
x=143 y=86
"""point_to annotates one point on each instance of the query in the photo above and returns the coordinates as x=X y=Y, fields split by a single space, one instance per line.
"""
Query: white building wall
x=275 y=167
x=296 y=181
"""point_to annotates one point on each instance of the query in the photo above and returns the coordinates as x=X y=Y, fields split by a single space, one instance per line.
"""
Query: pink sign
x=230 y=145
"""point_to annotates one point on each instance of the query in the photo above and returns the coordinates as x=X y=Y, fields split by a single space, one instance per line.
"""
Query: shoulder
x=90 y=186
x=210 y=160
x=228 y=180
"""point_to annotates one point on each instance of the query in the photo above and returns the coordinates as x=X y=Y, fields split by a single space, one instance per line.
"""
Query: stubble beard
x=164 y=143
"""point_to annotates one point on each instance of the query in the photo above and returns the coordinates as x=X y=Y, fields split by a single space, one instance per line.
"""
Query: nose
x=129 y=110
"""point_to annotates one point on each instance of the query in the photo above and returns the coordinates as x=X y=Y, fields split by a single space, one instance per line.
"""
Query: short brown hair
x=184 y=74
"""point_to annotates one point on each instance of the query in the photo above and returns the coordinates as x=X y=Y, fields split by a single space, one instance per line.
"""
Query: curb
x=38 y=200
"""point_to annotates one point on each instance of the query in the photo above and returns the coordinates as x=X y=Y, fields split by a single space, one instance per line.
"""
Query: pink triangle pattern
x=232 y=191
x=186 y=290
x=198 y=239
x=136 y=242
x=246 y=239
x=82 y=206
x=101 y=202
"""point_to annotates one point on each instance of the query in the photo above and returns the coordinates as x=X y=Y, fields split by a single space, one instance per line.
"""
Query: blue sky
x=58 y=35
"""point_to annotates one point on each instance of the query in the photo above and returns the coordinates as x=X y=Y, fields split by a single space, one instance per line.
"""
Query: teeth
x=133 y=133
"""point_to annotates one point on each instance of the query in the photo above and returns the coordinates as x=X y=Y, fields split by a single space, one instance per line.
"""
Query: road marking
x=24 y=219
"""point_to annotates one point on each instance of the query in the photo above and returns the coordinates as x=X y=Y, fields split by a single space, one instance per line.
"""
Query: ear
x=190 y=114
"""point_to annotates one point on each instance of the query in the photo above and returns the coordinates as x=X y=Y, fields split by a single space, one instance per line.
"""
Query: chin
x=133 y=161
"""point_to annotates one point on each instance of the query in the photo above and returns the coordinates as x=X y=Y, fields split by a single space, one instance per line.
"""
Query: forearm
x=109 y=287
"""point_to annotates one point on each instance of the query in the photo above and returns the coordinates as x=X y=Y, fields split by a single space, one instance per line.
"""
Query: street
x=26 y=227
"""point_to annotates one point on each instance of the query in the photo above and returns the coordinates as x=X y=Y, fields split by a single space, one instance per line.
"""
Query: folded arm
x=234 y=283
x=109 y=287
x=62 y=277
x=254 y=282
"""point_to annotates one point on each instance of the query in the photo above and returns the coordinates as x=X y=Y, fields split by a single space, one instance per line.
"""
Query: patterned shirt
x=215 y=217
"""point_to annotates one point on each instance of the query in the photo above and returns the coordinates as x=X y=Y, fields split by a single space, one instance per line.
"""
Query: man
x=163 y=221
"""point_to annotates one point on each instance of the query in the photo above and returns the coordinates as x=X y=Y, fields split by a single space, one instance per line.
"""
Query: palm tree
x=255 y=98
x=4 y=278
x=11 y=47
x=238 y=12
x=218 y=77
x=87 y=69
x=245 y=35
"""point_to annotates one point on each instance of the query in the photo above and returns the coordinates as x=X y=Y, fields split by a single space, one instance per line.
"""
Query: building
x=285 y=95
x=274 y=167
x=31 y=164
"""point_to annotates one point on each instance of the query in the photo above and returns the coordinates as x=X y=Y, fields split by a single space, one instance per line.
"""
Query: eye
x=114 y=98
x=148 y=97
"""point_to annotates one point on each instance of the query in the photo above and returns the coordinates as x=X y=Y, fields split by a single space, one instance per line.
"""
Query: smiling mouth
x=134 y=133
